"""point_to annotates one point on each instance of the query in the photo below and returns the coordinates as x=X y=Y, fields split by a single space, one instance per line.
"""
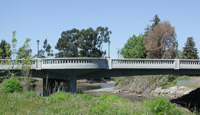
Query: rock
x=173 y=92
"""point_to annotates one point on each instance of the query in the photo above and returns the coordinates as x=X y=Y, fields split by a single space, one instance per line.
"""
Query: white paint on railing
x=97 y=63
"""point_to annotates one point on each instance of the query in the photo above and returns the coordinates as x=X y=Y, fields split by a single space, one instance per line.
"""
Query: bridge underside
x=91 y=73
x=68 y=77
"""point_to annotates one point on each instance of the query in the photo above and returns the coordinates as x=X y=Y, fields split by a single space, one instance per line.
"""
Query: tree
x=67 y=44
x=24 y=54
x=156 y=20
x=190 y=51
x=47 y=48
x=5 y=49
x=160 y=42
x=90 y=41
x=134 y=47
x=84 y=43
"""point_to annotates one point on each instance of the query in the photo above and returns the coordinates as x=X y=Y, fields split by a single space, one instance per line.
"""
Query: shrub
x=111 y=98
x=85 y=96
x=29 y=94
x=59 y=96
x=11 y=85
x=162 y=106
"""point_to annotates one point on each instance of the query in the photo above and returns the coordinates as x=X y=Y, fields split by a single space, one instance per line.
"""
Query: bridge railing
x=13 y=64
x=97 y=63
x=192 y=64
x=74 y=63
x=143 y=63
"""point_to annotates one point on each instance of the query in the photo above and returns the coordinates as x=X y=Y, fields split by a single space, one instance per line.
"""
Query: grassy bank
x=66 y=103
x=140 y=84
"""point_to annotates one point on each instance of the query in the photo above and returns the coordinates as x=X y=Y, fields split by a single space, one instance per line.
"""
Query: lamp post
x=109 y=49
x=176 y=49
x=38 y=42
x=118 y=54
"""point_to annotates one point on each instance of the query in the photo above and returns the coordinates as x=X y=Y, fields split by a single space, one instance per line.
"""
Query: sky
x=47 y=19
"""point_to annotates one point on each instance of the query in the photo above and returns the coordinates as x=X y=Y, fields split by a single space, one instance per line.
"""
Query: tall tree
x=47 y=48
x=90 y=41
x=190 y=51
x=84 y=43
x=24 y=54
x=134 y=47
x=156 y=20
x=67 y=44
x=4 y=49
x=160 y=42
x=24 y=51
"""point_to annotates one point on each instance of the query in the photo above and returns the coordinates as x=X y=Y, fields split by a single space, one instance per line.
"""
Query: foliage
x=29 y=94
x=67 y=44
x=47 y=48
x=134 y=47
x=156 y=20
x=82 y=43
x=190 y=51
x=25 y=51
x=25 y=55
x=162 y=106
x=85 y=96
x=111 y=98
x=11 y=85
x=160 y=41
x=59 y=96
x=16 y=103
x=4 y=49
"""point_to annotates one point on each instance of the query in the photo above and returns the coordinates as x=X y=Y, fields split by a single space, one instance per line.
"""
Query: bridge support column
x=73 y=85
x=51 y=86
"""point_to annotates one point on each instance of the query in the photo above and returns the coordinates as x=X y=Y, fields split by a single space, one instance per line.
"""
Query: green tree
x=67 y=44
x=25 y=55
x=4 y=49
x=190 y=51
x=134 y=47
x=156 y=20
x=47 y=48
x=90 y=42
x=84 y=43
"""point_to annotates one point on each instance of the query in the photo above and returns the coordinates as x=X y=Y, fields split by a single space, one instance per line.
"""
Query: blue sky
x=41 y=19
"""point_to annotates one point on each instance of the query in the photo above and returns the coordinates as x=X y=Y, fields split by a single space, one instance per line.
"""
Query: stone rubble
x=172 y=92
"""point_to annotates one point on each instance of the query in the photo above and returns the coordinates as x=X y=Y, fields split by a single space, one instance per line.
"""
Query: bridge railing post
x=109 y=61
x=177 y=64
x=38 y=64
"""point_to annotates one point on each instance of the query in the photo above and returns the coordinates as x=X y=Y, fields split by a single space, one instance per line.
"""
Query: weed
x=11 y=85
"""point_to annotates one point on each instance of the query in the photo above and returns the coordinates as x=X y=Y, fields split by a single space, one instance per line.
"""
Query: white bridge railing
x=97 y=63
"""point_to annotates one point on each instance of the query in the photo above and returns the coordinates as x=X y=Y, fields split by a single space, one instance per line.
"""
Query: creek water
x=92 y=87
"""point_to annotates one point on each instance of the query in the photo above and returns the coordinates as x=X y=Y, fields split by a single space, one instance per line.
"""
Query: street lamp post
x=38 y=42
x=176 y=49
x=118 y=54
x=109 y=49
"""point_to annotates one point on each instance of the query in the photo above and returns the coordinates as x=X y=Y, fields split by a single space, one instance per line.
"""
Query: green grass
x=66 y=103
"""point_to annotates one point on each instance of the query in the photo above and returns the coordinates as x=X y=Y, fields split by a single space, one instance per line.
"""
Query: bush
x=85 y=96
x=162 y=106
x=29 y=94
x=11 y=85
x=59 y=96
x=111 y=98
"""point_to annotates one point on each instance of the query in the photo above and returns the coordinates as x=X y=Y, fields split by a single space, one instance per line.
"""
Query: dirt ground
x=113 y=90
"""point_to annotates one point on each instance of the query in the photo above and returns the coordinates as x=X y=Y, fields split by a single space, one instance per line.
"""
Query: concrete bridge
x=62 y=73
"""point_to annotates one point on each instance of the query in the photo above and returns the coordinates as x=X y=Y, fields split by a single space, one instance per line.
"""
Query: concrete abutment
x=51 y=86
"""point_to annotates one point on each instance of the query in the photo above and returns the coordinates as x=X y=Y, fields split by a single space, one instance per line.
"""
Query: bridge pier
x=51 y=86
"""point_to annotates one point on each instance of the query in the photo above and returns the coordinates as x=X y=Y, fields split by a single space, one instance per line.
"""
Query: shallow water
x=91 y=87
